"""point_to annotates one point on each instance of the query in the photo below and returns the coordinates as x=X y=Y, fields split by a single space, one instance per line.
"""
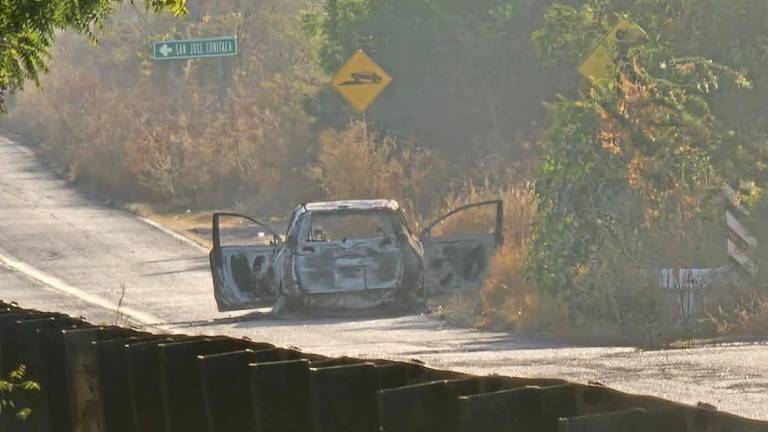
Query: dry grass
x=519 y=208
x=745 y=314
x=757 y=322
x=186 y=133
x=357 y=164
x=507 y=301
x=354 y=164
x=753 y=320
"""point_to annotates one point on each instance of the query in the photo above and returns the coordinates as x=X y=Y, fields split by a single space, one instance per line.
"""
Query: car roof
x=353 y=205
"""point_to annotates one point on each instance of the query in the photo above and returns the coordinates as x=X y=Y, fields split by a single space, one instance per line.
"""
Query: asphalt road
x=62 y=251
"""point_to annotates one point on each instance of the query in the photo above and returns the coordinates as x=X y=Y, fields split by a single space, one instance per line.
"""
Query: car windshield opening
x=348 y=226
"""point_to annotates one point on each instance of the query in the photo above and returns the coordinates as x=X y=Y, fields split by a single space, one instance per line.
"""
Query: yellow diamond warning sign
x=599 y=64
x=361 y=81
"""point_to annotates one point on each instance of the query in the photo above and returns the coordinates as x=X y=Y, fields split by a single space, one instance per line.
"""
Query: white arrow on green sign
x=195 y=48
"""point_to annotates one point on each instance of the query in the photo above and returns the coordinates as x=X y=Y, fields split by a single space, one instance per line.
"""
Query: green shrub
x=11 y=388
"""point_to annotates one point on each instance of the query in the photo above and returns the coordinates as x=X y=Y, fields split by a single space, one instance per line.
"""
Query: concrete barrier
x=32 y=354
x=143 y=363
x=20 y=345
x=9 y=351
x=55 y=388
x=524 y=408
x=111 y=379
x=181 y=382
x=412 y=408
x=114 y=381
x=81 y=365
x=435 y=406
x=631 y=420
x=344 y=398
x=281 y=396
x=710 y=420
x=226 y=388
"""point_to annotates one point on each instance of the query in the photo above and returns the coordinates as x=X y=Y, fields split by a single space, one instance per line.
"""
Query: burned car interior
x=458 y=259
x=351 y=255
x=244 y=254
x=326 y=227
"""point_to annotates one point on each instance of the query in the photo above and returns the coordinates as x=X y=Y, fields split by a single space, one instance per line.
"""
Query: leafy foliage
x=27 y=30
x=11 y=387
x=633 y=168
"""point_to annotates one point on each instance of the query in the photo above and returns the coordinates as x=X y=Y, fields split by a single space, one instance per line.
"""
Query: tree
x=28 y=27
x=466 y=78
x=633 y=167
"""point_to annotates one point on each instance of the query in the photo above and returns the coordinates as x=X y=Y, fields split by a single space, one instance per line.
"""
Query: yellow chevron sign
x=599 y=64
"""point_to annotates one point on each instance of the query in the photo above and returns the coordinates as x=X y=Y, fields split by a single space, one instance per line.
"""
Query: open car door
x=459 y=246
x=243 y=252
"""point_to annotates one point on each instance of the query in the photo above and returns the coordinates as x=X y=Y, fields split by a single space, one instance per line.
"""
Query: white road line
x=173 y=234
x=59 y=285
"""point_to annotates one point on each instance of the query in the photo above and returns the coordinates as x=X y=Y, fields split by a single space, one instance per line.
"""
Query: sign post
x=195 y=48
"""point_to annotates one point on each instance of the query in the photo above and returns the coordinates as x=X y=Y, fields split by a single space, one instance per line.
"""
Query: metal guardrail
x=112 y=379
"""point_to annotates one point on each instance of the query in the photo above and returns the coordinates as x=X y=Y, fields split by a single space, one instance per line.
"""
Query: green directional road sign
x=195 y=48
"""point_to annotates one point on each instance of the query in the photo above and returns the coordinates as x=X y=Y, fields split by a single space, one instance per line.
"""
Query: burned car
x=350 y=255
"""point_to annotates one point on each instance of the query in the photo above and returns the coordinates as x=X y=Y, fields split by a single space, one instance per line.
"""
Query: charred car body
x=348 y=255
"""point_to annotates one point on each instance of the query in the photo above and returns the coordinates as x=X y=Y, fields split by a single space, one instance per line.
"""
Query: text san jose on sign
x=195 y=48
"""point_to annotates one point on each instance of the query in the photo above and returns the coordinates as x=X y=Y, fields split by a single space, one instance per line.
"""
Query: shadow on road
x=186 y=258
x=263 y=318
x=170 y=272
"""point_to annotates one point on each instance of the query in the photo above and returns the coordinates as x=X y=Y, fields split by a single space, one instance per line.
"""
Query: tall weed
x=357 y=164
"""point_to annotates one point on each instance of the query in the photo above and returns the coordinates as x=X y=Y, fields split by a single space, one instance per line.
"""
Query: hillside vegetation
x=603 y=181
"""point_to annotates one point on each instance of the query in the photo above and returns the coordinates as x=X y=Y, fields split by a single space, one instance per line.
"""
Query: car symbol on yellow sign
x=360 y=81
x=598 y=65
